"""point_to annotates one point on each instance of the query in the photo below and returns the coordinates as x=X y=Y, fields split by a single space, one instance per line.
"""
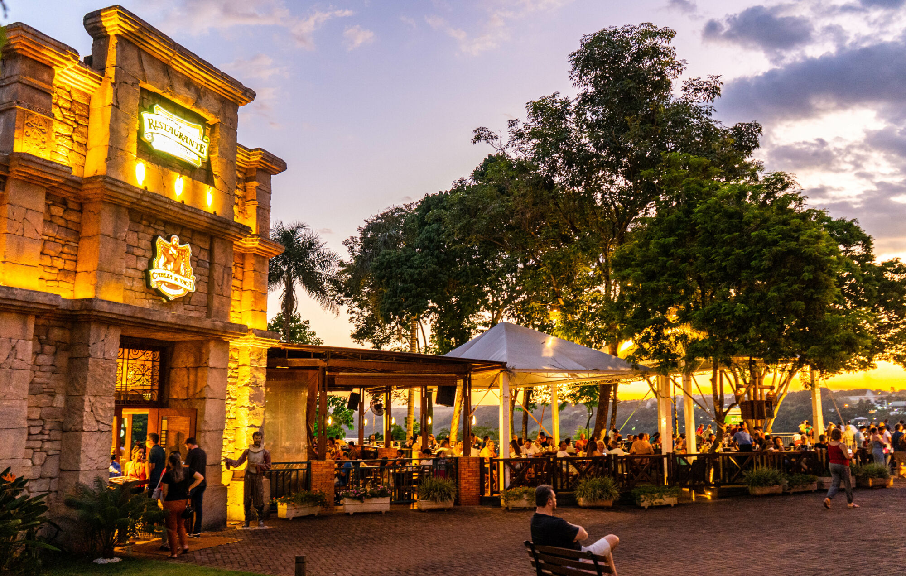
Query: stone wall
x=236 y=288
x=16 y=333
x=70 y=126
x=140 y=238
x=59 y=251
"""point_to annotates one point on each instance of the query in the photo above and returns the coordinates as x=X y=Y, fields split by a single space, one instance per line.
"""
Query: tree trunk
x=613 y=406
x=288 y=303
x=526 y=398
x=457 y=411
x=410 y=409
x=604 y=392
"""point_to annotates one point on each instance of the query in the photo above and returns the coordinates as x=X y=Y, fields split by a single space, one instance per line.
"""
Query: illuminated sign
x=170 y=272
x=170 y=134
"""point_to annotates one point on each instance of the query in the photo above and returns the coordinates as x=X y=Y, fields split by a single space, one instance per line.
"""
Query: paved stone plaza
x=783 y=535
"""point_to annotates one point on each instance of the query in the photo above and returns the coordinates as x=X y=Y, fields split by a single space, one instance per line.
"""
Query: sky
x=373 y=103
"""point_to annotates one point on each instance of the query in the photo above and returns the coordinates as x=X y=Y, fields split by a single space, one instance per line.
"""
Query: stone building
x=133 y=255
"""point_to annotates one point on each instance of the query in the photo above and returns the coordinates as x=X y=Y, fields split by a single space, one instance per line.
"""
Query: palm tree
x=307 y=262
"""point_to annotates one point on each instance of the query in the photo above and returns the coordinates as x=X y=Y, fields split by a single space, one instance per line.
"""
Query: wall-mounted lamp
x=177 y=186
x=473 y=421
x=140 y=173
x=392 y=421
x=210 y=197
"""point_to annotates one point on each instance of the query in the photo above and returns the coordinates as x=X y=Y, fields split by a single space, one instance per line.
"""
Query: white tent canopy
x=534 y=358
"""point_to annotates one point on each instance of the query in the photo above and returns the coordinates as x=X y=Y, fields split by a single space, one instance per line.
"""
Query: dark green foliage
x=305 y=498
x=341 y=417
x=112 y=514
x=298 y=332
x=436 y=489
x=21 y=518
x=600 y=488
x=763 y=477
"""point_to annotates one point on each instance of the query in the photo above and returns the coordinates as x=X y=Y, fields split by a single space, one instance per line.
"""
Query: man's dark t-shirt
x=158 y=457
x=553 y=531
x=197 y=461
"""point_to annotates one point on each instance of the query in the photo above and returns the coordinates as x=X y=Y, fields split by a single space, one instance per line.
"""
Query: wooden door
x=175 y=425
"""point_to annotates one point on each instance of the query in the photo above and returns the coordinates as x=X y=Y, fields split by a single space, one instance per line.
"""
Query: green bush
x=655 y=492
x=519 y=493
x=113 y=514
x=603 y=488
x=763 y=477
x=361 y=494
x=437 y=489
x=21 y=518
x=796 y=480
x=305 y=498
x=878 y=471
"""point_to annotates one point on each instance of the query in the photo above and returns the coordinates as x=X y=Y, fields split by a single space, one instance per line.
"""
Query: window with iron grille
x=138 y=376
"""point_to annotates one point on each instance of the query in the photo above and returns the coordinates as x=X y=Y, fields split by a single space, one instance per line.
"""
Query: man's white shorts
x=599 y=548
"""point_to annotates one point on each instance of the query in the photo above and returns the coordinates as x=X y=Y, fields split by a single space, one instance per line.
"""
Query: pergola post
x=689 y=413
x=361 y=420
x=555 y=414
x=504 y=415
x=322 y=413
x=388 y=420
x=664 y=416
x=423 y=417
x=467 y=415
x=817 y=410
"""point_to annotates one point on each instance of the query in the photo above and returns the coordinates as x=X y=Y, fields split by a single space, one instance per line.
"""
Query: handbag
x=188 y=512
x=158 y=493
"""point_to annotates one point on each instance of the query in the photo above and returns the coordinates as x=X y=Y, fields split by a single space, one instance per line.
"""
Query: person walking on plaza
x=157 y=459
x=877 y=446
x=898 y=443
x=549 y=530
x=838 y=456
x=176 y=485
x=259 y=462
x=196 y=461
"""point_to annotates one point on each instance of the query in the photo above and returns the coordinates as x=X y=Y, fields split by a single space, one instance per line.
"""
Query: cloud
x=882 y=3
x=760 y=27
x=201 y=16
x=325 y=231
x=409 y=21
x=356 y=36
x=258 y=66
x=686 y=6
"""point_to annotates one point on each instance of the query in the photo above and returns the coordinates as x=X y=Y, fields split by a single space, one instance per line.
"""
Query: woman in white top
x=616 y=449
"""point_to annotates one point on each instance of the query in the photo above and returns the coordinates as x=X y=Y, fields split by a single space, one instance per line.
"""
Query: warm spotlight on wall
x=178 y=186
x=140 y=173
x=210 y=196
x=330 y=420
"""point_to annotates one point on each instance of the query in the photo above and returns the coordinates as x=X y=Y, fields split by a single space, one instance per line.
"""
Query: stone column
x=21 y=229
x=817 y=408
x=16 y=342
x=198 y=380
x=89 y=406
x=664 y=419
x=101 y=264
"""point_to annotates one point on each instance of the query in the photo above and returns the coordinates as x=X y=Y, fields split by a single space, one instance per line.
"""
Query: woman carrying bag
x=176 y=485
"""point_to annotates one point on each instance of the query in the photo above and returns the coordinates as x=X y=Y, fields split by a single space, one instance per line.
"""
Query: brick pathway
x=782 y=535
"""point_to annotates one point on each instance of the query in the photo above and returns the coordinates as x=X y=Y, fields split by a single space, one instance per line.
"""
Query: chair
x=551 y=561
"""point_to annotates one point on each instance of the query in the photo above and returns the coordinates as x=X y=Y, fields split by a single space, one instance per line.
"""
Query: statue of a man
x=259 y=461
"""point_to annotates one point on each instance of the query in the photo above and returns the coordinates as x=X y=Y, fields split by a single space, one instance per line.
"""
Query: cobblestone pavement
x=775 y=535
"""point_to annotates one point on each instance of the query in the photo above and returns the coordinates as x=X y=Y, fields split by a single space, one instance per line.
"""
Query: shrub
x=304 y=498
x=763 y=477
x=361 y=494
x=796 y=480
x=655 y=492
x=437 y=489
x=603 y=488
x=112 y=514
x=519 y=493
x=21 y=518
x=871 y=471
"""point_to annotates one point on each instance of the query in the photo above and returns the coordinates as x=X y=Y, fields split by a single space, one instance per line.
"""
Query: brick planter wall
x=469 y=481
x=322 y=478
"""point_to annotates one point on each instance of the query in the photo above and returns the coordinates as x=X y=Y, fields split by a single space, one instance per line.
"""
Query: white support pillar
x=664 y=414
x=504 y=415
x=555 y=415
x=689 y=413
x=817 y=411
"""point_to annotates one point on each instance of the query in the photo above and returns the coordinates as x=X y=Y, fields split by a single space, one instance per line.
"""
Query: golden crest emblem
x=170 y=272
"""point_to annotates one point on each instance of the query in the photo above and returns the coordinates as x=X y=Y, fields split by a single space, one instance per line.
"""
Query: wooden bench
x=551 y=561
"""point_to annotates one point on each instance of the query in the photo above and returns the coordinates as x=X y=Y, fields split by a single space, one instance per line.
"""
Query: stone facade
x=77 y=232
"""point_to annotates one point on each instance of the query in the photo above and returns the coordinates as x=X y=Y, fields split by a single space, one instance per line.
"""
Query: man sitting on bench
x=548 y=530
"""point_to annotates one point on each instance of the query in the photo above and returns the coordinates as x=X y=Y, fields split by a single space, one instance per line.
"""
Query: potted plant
x=374 y=499
x=21 y=519
x=872 y=476
x=801 y=483
x=764 y=481
x=304 y=503
x=521 y=498
x=597 y=492
x=436 y=494
x=650 y=495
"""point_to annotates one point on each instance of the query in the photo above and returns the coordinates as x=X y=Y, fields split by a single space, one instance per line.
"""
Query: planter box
x=875 y=482
x=583 y=503
x=765 y=490
x=825 y=482
x=290 y=511
x=430 y=505
x=804 y=488
x=522 y=504
x=369 y=505
x=646 y=501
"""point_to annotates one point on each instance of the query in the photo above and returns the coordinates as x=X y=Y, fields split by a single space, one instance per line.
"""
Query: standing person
x=742 y=439
x=877 y=446
x=549 y=530
x=259 y=462
x=898 y=442
x=157 y=459
x=176 y=484
x=838 y=455
x=196 y=461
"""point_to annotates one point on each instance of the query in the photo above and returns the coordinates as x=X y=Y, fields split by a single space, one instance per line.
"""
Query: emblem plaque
x=170 y=272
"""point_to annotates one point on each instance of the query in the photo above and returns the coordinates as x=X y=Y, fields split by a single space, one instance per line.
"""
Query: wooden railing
x=683 y=470
x=401 y=476
x=288 y=478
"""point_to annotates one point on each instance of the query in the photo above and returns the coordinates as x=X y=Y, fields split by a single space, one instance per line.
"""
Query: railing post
x=300 y=566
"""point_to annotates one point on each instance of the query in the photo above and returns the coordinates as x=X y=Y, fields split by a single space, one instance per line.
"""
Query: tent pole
x=664 y=420
x=689 y=413
x=423 y=417
x=504 y=415
x=555 y=414
x=467 y=415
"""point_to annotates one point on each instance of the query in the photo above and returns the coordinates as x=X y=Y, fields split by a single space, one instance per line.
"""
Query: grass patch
x=133 y=567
